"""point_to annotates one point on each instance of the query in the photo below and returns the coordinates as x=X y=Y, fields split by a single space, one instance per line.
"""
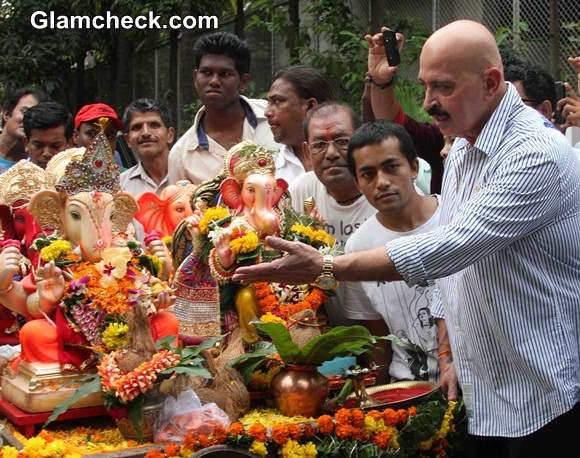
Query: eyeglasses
x=320 y=146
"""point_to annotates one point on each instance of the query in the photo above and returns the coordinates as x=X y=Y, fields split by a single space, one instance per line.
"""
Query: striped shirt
x=507 y=254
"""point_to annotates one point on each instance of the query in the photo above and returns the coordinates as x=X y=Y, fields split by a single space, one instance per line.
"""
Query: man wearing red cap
x=87 y=124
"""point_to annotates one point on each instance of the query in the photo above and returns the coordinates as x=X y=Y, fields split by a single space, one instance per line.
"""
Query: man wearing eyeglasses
x=337 y=199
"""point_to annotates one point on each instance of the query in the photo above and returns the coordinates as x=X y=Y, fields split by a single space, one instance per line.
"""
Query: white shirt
x=507 y=254
x=406 y=310
x=197 y=157
x=340 y=221
x=288 y=166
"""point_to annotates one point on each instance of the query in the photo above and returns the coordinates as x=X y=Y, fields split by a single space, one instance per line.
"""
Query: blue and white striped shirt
x=507 y=254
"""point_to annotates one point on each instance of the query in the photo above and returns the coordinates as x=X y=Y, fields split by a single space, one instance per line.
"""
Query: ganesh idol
x=90 y=275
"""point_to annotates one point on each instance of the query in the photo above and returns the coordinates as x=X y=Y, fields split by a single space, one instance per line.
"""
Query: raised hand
x=378 y=66
x=50 y=285
x=164 y=299
x=10 y=258
x=158 y=248
x=224 y=252
x=192 y=223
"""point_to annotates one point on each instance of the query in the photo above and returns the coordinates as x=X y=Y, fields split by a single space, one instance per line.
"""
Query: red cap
x=94 y=111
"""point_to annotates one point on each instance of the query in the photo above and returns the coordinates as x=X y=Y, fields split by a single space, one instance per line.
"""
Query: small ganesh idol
x=87 y=282
x=231 y=233
x=164 y=212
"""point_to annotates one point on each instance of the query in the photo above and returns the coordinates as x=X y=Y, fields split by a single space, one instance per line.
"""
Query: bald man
x=506 y=257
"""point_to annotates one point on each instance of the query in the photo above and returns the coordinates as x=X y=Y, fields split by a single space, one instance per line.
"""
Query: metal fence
x=545 y=32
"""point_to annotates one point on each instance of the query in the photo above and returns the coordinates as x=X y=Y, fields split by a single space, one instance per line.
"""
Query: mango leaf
x=205 y=345
x=92 y=385
x=247 y=363
x=339 y=341
x=189 y=370
x=165 y=343
x=282 y=340
x=135 y=413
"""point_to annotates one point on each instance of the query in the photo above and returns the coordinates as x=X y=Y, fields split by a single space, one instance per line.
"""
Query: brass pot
x=299 y=390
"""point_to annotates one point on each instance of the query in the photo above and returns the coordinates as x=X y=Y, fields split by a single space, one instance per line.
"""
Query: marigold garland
x=128 y=386
x=269 y=303
x=269 y=432
x=56 y=250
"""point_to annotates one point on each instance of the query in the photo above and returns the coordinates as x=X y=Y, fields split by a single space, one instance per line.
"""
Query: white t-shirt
x=341 y=222
x=406 y=310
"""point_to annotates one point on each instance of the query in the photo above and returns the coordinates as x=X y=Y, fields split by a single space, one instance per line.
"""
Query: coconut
x=140 y=345
x=303 y=327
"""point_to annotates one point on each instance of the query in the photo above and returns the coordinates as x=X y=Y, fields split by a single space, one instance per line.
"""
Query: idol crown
x=95 y=172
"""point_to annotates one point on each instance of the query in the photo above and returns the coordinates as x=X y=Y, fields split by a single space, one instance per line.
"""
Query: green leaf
x=165 y=343
x=339 y=341
x=135 y=412
x=189 y=370
x=281 y=338
x=91 y=386
x=247 y=363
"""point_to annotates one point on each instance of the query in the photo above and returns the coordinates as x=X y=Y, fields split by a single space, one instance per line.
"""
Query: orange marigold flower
x=344 y=431
x=280 y=433
x=325 y=424
x=204 y=441
x=343 y=417
x=382 y=439
x=190 y=441
x=412 y=411
x=357 y=418
x=375 y=415
x=219 y=434
x=403 y=417
x=295 y=431
x=390 y=417
x=358 y=434
x=155 y=454
x=236 y=429
x=258 y=431
x=172 y=450
x=308 y=430
x=46 y=435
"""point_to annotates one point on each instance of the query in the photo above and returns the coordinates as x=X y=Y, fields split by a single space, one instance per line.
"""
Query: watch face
x=325 y=282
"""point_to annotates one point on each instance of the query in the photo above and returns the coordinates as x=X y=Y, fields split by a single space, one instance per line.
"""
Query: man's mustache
x=436 y=110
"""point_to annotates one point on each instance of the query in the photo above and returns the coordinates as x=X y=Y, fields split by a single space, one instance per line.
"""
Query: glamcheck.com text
x=50 y=20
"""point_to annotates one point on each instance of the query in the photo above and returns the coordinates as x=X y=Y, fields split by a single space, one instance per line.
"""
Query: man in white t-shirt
x=384 y=162
x=337 y=199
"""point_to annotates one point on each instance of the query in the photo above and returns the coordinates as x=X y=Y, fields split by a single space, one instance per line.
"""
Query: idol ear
x=46 y=207
x=230 y=190
x=125 y=209
x=281 y=187
x=151 y=213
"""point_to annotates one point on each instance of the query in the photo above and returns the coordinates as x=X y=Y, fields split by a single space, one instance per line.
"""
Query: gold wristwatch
x=326 y=280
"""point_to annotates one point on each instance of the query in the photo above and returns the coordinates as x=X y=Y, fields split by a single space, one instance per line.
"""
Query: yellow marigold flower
x=210 y=215
x=271 y=318
x=167 y=240
x=245 y=244
x=158 y=264
x=258 y=448
x=73 y=455
x=55 y=250
x=55 y=449
x=425 y=445
x=8 y=452
x=34 y=446
x=115 y=336
x=292 y=449
x=372 y=426
x=323 y=237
